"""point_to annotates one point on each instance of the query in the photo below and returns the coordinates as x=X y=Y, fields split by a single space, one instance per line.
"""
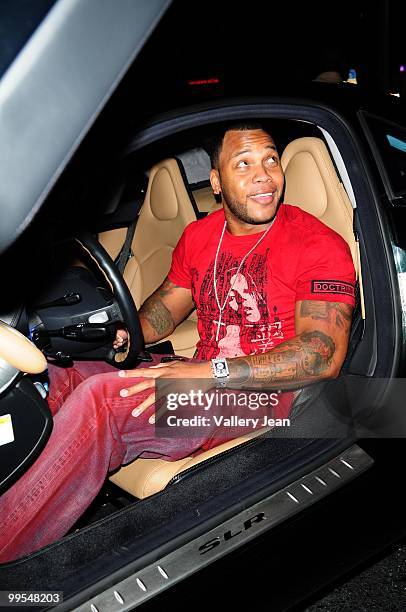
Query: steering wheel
x=124 y=299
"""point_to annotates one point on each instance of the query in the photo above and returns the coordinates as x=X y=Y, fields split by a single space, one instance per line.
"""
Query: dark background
x=258 y=47
x=251 y=48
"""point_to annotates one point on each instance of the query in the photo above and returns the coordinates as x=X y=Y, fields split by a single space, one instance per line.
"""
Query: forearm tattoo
x=296 y=362
x=301 y=360
x=156 y=313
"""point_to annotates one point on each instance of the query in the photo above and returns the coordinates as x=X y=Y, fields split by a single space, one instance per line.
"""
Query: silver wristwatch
x=220 y=371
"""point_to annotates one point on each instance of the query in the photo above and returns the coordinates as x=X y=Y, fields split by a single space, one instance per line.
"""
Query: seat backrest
x=312 y=184
x=205 y=200
x=166 y=211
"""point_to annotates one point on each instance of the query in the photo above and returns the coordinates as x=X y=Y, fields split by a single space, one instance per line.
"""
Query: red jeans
x=94 y=433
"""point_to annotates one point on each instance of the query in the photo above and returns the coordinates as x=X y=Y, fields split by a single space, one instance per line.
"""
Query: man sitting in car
x=274 y=293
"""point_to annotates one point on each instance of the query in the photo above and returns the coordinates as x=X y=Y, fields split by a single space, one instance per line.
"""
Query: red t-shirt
x=299 y=259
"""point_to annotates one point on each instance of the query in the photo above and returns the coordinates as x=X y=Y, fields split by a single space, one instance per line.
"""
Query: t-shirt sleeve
x=326 y=270
x=180 y=272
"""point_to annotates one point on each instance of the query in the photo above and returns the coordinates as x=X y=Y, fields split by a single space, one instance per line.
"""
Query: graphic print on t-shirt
x=247 y=324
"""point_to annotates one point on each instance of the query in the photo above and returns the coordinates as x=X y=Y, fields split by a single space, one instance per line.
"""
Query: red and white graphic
x=246 y=326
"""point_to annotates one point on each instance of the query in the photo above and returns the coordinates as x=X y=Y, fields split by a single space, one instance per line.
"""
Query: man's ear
x=216 y=185
x=215 y=181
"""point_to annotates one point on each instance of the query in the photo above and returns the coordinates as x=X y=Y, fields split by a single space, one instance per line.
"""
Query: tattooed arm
x=317 y=351
x=164 y=310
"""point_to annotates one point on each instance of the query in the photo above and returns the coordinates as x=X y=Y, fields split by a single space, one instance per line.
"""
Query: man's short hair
x=213 y=147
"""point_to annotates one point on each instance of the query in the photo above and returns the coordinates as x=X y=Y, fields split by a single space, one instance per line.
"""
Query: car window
x=196 y=163
x=389 y=145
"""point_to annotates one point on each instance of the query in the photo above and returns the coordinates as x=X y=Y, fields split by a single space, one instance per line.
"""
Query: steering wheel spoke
x=123 y=305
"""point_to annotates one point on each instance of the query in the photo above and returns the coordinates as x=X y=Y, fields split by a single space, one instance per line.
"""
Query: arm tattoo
x=301 y=360
x=298 y=361
x=158 y=316
x=156 y=313
x=336 y=312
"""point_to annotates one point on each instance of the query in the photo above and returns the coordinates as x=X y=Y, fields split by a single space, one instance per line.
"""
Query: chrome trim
x=187 y=559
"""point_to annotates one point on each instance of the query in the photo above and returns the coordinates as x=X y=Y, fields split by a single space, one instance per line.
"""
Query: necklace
x=222 y=306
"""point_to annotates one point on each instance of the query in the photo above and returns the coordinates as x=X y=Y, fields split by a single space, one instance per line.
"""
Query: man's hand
x=121 y=339
x=174 y=370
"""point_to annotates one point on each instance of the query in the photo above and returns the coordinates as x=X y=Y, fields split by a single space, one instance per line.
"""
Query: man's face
x=249 y=176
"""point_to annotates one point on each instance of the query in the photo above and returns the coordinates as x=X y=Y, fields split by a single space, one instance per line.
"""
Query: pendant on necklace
x=218 y=323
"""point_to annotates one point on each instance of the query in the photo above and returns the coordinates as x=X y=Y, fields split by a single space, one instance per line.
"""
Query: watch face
x=220 y=367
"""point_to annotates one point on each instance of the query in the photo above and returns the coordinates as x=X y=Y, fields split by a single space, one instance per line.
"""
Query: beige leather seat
x=165 y=213
x=144 y=477
x=205 y=200
x=312 y=184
